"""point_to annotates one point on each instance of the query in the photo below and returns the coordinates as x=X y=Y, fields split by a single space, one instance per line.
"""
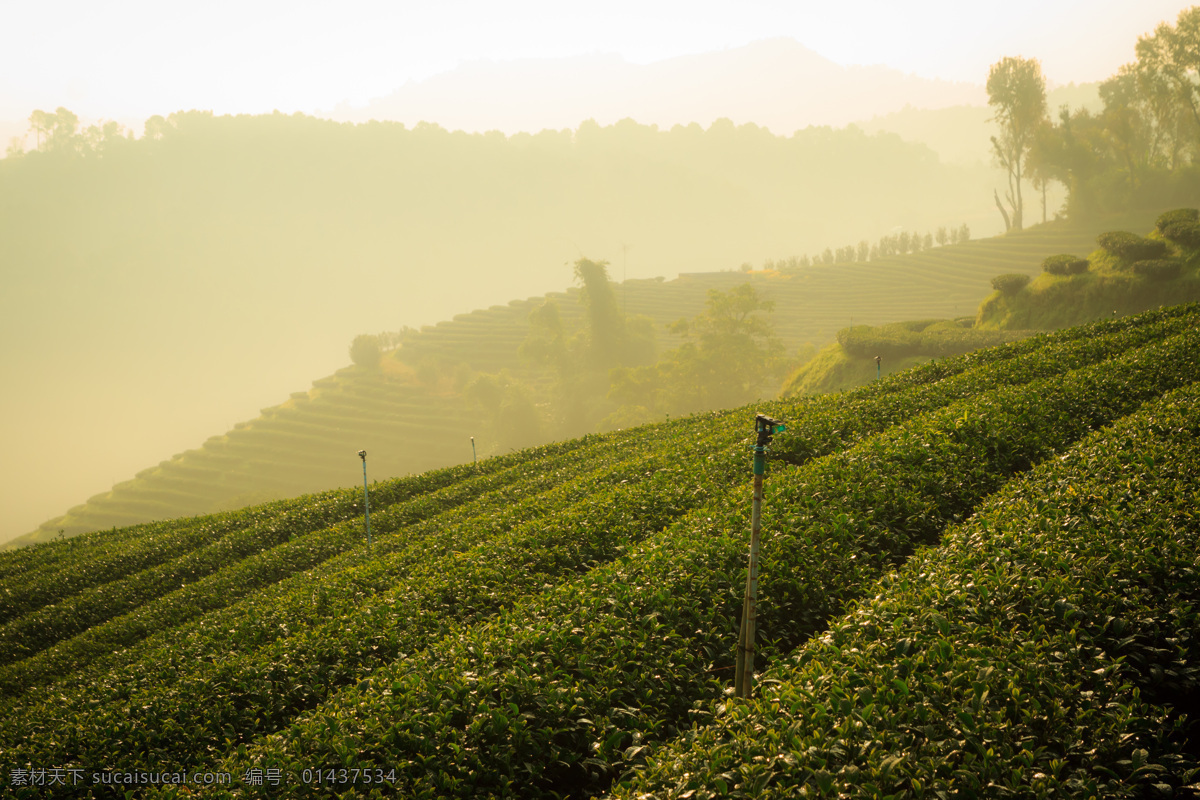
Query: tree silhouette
x=1017 y=91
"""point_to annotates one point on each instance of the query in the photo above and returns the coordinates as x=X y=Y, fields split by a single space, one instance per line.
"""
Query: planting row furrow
x=93 y=566
x=503 y=498
x=557 y=694
x=826 y=425
x=82 y=564
x=42 y=629
x=205 y=703
x=299 y=552
x=346 y=624
x=1035 y=653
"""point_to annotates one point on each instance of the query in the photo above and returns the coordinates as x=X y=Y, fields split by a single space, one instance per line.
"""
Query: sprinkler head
x=765 y=427
x=362 y=454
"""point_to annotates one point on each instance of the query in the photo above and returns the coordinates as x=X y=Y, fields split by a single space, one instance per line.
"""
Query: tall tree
x=1173 y=53
x=64 y=137
x=1017 y=91
x=40 y=122
x=606 y=326
x=582 y=362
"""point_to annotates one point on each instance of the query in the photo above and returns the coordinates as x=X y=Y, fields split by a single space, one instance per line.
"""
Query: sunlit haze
x=161 y=288
x=130 y=59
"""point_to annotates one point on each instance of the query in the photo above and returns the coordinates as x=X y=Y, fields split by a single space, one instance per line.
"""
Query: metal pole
x=366 y=500
x=474 y=458
x=744 y=675
x=877 y=368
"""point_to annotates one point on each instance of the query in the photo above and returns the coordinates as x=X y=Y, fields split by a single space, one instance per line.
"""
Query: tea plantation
x=979 y=577
x=301 y=445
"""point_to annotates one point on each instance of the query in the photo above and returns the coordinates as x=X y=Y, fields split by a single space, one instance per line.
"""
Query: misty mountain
x=776 y=83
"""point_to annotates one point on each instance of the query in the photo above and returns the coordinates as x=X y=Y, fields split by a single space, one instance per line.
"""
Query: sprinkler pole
x=877 y=368
x=366 y=500
x=474 y=458
x=765 y=427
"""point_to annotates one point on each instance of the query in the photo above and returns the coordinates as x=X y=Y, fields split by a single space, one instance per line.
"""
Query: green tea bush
x=619 y=555
x=1176 y=216
x=886 y=341
x=498 y=481
x=1129 y=247
x=563 y=693
x=1065 y=264
x=1032 y=654
x=1159 y=269
x=1010 y=283
x=1181 y=226
x=931 y=338
x=48 y=573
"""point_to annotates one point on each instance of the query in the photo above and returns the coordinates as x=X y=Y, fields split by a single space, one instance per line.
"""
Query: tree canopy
x=1141 y=148
x=1017 y=91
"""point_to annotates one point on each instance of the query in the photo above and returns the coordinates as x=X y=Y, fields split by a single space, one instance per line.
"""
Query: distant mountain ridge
x=776 y=83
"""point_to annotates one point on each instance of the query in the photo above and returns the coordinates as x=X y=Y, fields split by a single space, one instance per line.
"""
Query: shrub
x=1010 y=283
x=1184 y=233
x=1158 y=269
x=1181 y=226
x=1130 y=247
x=1179 y=215
x=1065 y=264
x=365 y=352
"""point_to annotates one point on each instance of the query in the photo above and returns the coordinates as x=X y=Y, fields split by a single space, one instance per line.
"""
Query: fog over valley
x=175 y=258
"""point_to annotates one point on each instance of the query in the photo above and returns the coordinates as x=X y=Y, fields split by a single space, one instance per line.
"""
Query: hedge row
x=259 y=627
x=896 y=341
x=558 y=696
x=236 y=683
x=303 y=551
x=1177 y=315
x=857 y=411
x=254 y=624
x=248 y=673
x=41 y=575
x=1033 y=654
x=46 y=626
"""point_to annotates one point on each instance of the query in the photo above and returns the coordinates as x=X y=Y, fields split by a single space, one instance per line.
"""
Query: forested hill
x=162 y=288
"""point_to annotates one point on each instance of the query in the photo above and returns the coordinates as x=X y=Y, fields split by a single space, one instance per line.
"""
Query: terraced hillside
x=308 y=442
x=977 y=573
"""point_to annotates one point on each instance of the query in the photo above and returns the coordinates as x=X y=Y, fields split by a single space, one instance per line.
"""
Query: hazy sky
x=128 y=59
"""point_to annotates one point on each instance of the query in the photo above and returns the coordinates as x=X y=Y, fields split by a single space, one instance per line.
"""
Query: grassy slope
x=1049 y=302
x=307 y=443
x=833 y=370
x=535 y=625
x=1056 y=301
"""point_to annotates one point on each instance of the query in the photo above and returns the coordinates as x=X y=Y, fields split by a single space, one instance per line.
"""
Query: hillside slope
x=181 y=281
x=561 y=621
x=1121 y=277
x=308 y=442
